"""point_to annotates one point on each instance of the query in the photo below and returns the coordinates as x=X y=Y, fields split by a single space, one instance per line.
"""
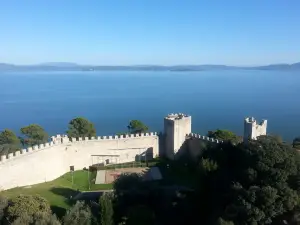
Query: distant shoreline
x=179 y=68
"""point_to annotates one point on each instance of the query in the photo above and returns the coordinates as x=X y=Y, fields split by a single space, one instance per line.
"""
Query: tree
x=136 y=126
x=34 y=134
x=107 y=211
x=253 y=183
x=3 y=206
x=79 y=214
x=25 y=207
x=9 y=142
x=128 y=181
x=140 y=214
x=37 y=219
x=81 y=127
x=296 y=143
x=225 y=135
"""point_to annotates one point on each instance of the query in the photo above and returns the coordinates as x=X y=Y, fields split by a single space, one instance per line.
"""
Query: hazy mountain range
x=66 y=66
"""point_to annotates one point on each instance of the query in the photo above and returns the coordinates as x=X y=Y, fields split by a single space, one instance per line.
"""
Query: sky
x=156 y=32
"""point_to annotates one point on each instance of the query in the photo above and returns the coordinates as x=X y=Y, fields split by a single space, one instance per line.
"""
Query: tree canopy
x=224 y=135
x=251 y=184
x=81 y=127
x=79 y=214
x=137 y=126
x=9 y=142
x=296 y=143
x=26 y=207
x=34 y=134
x=107 y=211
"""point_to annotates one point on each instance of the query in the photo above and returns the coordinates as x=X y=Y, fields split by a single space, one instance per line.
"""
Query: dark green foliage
x=79 y=214
x=37 y=219
x=81 y=127
x=136 y=126
x=252 y=184
x=208 y=165
x=9 y=142
x=106 y=209
x=3 y=206
x=224 y=222
x=128 y=181
x=26 y=207
x=225 y=135
x=140 y=214
x=34 y=134
x=296 y=143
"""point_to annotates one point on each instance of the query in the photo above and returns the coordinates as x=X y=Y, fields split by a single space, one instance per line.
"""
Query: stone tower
x=252 y=130
x=176 y=126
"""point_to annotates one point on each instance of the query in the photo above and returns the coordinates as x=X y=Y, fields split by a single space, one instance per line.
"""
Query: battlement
x=63 y=139
x=252 y=129
x=25 y=151
x=251 y=120
x=176 y=116
x=205 y=138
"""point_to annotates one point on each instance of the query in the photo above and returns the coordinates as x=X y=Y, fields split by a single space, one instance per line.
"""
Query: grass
x=59 y=191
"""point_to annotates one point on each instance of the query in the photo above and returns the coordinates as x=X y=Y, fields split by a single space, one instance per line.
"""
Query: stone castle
x=51 y=160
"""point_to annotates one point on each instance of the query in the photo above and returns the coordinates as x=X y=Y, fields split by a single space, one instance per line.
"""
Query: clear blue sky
x=166 y=32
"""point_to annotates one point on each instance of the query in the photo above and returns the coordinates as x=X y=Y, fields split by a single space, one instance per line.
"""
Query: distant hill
x=67 y=66
x=295 y=66
x=59 y=64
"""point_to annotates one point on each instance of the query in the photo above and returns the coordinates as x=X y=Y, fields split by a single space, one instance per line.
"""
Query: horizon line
x=137 y=65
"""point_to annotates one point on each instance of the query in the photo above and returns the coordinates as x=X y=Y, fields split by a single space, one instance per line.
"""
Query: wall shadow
x=145 y=156
x=67 y=193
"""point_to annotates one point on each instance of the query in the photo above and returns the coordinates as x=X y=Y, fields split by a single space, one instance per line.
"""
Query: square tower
x=252 y=130
x=176 y=127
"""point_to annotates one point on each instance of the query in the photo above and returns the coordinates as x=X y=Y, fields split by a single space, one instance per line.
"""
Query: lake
x=214 y=99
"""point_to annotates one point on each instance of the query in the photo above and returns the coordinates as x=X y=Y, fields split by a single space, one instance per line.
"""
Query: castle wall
x=197 y=143
x=47 y=162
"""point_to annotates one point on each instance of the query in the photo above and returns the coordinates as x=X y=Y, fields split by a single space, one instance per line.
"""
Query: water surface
x=215 y=99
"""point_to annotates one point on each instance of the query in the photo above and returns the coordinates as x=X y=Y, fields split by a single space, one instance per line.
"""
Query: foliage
x=106 y=207
x=136 y=126
x=81 y=127
x=26 y=206
x=9 y=142
x=34 y=134
x=224 y=135
x=296 y=143
x=3 y=206
x=128 y=181
x=37 y=219
x=79 y=214
x=224 y=222
x=140 y=214
x=253 y=182
x=208 y=165
x=59 y=191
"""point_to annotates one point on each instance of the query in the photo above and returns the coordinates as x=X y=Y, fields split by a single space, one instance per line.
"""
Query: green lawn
x=59 y=191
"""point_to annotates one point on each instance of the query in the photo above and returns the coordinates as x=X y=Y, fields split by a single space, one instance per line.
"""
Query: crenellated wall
x=196 y=143
x=50 y=160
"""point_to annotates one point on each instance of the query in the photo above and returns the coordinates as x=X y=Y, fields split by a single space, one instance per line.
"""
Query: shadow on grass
x=67 y=193
x=58 y=211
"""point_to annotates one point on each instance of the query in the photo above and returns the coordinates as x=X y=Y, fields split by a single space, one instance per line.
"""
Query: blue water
x=215 y=99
